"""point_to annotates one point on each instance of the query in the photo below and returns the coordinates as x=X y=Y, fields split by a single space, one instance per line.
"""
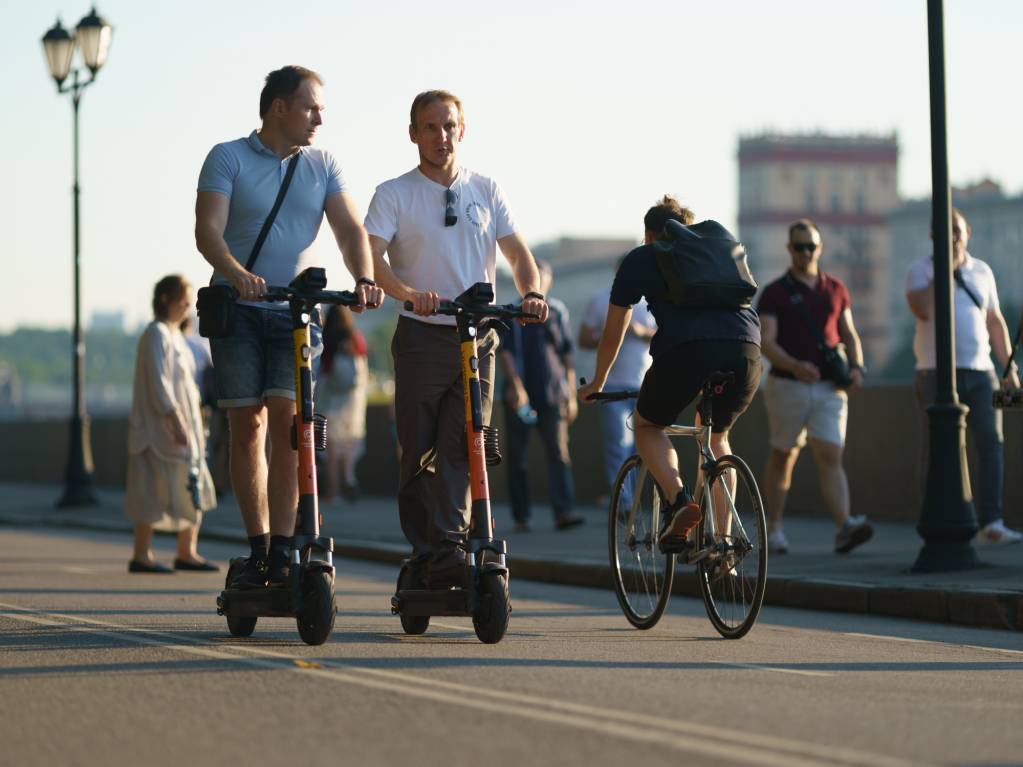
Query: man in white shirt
x=440 y=225
x=979 y=330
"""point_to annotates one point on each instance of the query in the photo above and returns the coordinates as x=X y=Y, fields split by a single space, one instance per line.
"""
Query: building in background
x=848 y=185
x=107 y=320
x=996 y=237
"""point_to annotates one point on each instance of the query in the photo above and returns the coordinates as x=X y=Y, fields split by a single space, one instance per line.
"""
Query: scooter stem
x=481 y=524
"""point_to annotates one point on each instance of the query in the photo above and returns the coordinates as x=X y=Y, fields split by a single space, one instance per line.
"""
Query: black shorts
x=675 y=379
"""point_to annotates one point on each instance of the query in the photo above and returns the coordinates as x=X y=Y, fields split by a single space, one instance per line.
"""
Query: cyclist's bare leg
x=248 y=466
x=282 y=487
x=658 y=455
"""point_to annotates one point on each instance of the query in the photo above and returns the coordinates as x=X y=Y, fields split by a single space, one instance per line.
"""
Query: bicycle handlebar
x=613 y=396
x=609 y=396
x=502 y=311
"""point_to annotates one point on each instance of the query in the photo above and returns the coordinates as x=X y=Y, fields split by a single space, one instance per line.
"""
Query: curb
x=962 y=607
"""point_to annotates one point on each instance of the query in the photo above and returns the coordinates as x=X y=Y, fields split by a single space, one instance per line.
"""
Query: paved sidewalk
x=872 y=579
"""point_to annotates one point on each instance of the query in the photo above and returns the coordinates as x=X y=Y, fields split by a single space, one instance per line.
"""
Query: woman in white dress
x=169 y=486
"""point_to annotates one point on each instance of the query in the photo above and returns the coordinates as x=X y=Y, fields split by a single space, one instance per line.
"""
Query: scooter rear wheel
x=491 y=618
x=319 y=606
x=238 y=625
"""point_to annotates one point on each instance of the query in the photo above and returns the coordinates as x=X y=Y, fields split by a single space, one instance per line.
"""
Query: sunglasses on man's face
x=804 y=247
x=450 y=218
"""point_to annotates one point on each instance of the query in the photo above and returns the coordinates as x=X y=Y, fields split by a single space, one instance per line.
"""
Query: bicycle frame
x=702 y=435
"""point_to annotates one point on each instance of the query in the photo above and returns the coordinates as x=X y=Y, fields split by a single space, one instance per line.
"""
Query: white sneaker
x=777 y=543
x=995 y=534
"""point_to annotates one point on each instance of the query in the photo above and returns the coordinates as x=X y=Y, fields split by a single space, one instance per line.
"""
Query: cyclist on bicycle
x=689 y=345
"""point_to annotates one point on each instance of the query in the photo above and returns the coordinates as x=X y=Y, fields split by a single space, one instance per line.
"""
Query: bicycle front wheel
x=734 y=575
x=642 y=574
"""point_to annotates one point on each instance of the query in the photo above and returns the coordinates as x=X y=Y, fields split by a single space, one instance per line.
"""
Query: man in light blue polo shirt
x=254 y=365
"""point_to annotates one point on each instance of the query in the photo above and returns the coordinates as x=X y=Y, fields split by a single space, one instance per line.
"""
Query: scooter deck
x=429 y=602
x=275 y=602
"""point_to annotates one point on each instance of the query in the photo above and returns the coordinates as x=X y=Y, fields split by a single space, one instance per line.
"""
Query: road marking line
x=932 y=642
x=688 y=737
x=78 y=570
x=452 y=626
x=777 y=669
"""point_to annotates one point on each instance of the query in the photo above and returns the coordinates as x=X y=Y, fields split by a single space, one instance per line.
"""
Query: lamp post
x=92 y=36
x=947 y=521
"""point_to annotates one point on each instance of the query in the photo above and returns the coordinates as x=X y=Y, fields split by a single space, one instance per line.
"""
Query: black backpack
x=705 y=267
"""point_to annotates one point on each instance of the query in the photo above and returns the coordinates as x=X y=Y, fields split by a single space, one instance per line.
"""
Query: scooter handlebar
x=502 y=311
x=340 y=297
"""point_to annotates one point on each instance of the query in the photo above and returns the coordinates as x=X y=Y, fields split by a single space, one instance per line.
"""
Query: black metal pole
x=947 y=520
x=78 y=473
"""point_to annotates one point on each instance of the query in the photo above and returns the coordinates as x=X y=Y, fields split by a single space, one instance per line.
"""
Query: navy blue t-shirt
x=639 y=277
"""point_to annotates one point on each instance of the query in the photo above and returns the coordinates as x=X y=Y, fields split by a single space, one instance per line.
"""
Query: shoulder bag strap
x=961 y=282
x=799 y=301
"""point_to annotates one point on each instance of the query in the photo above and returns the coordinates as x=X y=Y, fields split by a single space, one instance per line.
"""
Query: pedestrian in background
x=539 y=382
x=341 y=396
x=804 y=316
x=980 y=329
x=168 y=484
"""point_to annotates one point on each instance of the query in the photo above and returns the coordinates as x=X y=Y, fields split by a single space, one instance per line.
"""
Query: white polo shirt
x=408 y=213
x=973 y=344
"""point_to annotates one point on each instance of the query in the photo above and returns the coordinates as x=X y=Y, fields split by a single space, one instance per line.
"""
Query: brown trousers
x=433 y=493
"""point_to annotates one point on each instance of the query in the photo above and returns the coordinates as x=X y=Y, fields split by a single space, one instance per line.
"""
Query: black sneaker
x=681 y=518
x=252 y=575
x=446 y=568
x=277 y=567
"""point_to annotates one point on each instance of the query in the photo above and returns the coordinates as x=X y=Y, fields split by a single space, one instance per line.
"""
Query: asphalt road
x=98 y=667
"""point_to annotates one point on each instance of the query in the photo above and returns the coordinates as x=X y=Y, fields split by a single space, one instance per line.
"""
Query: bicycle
x=729 y=547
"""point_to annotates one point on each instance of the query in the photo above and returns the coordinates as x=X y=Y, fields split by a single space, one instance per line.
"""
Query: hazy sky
x=585 y=112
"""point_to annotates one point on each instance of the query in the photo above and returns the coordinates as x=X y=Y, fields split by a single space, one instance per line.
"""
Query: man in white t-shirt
x=626 y=374
x=979 y=330
x=441 y=226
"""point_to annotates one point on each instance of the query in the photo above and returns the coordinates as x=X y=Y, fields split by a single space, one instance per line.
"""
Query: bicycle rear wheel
x=733 y=577
x=642 y=574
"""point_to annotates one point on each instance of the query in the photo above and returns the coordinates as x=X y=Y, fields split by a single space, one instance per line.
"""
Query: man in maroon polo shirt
x=799 y=312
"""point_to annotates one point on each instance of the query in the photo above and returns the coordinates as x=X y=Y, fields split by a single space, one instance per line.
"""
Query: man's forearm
x=778 y=357
x=357 y=255
x=214 y=249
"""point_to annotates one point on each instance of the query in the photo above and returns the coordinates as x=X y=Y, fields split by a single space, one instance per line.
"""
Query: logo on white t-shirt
x=478 y=215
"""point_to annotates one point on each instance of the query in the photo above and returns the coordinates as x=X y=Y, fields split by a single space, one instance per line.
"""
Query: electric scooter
x=308 y=596
x=483 y=593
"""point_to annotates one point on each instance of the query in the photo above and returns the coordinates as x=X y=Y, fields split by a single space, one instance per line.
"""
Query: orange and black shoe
x=681 y=517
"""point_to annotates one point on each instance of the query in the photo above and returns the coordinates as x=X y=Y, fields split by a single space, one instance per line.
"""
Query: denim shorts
x=258 y=359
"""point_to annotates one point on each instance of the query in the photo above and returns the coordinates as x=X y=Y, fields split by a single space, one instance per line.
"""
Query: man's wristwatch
x=365 y=281
x=537 y=296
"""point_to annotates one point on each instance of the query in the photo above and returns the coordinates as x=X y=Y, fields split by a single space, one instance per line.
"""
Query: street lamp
x=92 y=37
x=947 y=520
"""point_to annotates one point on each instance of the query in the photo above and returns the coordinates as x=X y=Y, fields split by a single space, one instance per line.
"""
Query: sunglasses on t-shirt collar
x=450 y=198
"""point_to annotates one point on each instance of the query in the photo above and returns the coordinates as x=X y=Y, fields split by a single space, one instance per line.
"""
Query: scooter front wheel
x=319 y=606
x=491 y=617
